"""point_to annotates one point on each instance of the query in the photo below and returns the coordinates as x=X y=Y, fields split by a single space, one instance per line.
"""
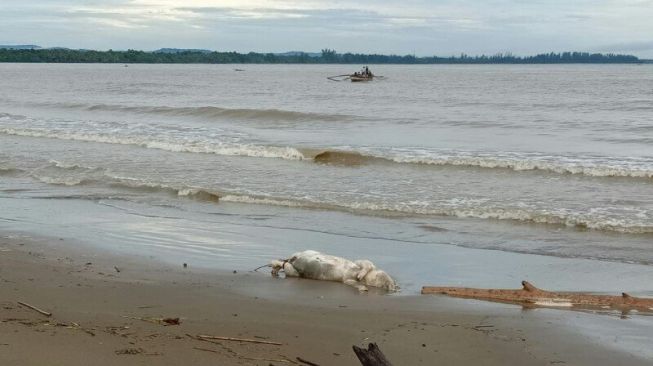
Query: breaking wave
x=593 y=166
x=346 y=158
x=203 y=147
x=211 y=112
x=588 y=166
x=179 y=191
x=71 y=175
x=576 y=220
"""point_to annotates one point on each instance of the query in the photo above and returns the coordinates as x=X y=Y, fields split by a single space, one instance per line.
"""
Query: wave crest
x=203 y=147
x=559 y=165
x=593 y=166
x=211 y=112
x=588 y=166
x=346 y=158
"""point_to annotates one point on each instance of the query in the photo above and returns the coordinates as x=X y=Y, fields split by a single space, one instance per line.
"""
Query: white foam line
x=261 y=151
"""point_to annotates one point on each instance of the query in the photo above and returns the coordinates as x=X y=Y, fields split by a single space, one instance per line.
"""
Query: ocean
x=470 y=174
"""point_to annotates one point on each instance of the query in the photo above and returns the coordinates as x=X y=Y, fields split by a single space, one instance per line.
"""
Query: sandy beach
x=100 y=316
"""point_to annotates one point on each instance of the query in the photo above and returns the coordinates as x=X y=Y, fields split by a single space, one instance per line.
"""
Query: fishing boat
x=359 y=78
x=364 y=75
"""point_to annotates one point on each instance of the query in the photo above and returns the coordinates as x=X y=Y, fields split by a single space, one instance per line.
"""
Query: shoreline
x=313 y=320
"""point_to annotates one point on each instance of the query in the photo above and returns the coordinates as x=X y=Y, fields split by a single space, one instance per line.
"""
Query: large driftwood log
x=532 y=296
x=372 y=356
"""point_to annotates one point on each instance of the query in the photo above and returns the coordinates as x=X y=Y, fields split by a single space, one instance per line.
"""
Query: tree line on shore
x=327 y=56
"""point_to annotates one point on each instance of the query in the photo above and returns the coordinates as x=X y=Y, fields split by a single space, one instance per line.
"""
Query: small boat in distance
x=364 y=75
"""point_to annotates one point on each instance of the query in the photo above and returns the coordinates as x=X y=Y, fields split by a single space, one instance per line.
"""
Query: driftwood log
x=530 y=295
x=372 y=356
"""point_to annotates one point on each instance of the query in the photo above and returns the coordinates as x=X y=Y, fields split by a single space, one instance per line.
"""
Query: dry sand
x=94 y=306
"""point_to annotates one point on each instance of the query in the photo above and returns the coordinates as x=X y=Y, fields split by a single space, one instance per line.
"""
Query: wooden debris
x=372 y=356
x=289 y=360
x=43 y=312
x=530 y=295
x=266 y=359
x=204 y=337
x=171 y=321
x=306 y=362
x=74 y=325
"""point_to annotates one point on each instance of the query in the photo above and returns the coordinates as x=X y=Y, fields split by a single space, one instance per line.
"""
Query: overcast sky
x=422 y=27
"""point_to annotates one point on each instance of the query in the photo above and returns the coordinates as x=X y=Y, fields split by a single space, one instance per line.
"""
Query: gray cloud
x=424 y=27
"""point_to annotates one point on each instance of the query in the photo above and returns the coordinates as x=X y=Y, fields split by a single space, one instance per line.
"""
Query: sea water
x=541 y=160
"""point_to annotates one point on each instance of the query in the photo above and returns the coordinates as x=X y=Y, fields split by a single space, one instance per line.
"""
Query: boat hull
x=358 y=79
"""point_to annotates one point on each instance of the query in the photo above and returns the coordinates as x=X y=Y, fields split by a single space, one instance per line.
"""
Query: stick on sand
x=237 y=339
x=43 y=312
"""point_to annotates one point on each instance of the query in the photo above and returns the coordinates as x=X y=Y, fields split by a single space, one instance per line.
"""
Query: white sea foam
x=596 y=166
x=269 y=201
x=71 y=166
x=66 y=181
x=169 y=144
x=462 y=210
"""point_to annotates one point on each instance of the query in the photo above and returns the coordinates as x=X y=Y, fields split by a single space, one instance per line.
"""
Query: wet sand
x=95 y=299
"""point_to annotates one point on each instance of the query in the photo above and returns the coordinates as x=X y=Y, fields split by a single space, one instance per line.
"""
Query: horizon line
x=195 y=49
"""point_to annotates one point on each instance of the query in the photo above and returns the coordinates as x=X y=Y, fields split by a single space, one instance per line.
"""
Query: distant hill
x=20 y=47
x=181 y=50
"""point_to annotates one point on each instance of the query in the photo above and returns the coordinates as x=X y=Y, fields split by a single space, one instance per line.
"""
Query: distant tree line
x=327 y=56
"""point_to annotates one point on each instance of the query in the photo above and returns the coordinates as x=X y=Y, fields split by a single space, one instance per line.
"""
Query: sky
x=420 y=27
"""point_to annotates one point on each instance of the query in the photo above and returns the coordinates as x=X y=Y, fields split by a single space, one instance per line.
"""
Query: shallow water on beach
x=554 y=160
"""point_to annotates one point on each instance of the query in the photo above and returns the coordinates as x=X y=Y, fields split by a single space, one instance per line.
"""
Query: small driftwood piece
x=372 y=356
x=43 y=312
x=309 y=363
x=205 y=337
x=530 y=295
x=267 y=359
